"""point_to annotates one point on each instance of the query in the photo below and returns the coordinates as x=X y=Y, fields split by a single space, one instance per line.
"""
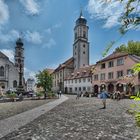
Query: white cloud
x=29 y=73
x=9 y=53
x=48 y=31
x=4 y=12
x=110 y=12
x=10 y=36
x=31 y=6
x=49 y=44
x=33 y=37
x=56 y=26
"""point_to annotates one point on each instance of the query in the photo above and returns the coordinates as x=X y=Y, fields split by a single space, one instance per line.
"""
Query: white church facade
x=9 y=71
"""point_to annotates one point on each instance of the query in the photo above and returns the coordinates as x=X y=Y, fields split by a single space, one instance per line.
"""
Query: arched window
x=14 y=83
x=19 y=54
x=84 y=34
x=1 y=71
x=75 y=35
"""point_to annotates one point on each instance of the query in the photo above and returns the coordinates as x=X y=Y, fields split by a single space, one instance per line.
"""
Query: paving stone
x=82 y=120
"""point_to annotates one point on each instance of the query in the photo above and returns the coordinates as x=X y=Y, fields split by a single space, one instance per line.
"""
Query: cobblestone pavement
x=8 y=109
x=81 y=120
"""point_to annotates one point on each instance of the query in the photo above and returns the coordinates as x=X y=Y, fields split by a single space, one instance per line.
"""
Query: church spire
x=81 y=13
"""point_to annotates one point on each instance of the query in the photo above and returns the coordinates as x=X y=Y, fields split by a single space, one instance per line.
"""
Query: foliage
x=11 y=95
x=39 y=94
x=131 y=16
x=51 y=94
x=108 y=48
x=131 y=48
x=129 y=19
x=136 y=68
x=44 y=80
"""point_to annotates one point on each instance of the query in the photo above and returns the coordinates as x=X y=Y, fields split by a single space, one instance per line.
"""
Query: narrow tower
x=19 y=61
x=81 y=44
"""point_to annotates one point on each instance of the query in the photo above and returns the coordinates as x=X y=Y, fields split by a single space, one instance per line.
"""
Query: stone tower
x=81 y=44
x=19 y=60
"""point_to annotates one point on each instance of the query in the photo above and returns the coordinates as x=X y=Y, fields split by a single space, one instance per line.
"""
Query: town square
x=70 y=70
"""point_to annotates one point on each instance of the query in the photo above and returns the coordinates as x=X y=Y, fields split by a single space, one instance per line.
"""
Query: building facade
x=9 y=71
x=60 y=73
x=114 y=73
x=80 y=81
x=30 y=85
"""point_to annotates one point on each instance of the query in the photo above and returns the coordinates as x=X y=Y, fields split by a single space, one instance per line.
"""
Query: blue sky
x=47 y=29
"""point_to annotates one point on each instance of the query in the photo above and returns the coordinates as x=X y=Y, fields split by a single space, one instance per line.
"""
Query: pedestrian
x=78 y=95
x=60 y=92
x=104 y=96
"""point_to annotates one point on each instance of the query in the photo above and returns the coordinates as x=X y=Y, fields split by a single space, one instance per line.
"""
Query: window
x=88 y=79
x=75 y=80
x=84 y=46
x=79 y=80
x=84 y=88
x=110 y=75
x=1 y=71
x=96 y=77
x=103 y=66
x=129 y=72
x=75 y=88
x=84 y=34
x=71 y=81
x=79 y=88
x=110 y=64
x=120 y=61
x=75 y=35
x=102 y=76
x=84 y=79
x=83 y=52
x=119 y=74
x=75 y=53
x=14 y=83
x=88 y=88
x=70 y=89
x=19 y=54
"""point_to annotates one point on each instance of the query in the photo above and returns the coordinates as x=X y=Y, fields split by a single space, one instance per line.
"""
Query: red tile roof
x=66 y=64
x=81 y=72
x=114 y=55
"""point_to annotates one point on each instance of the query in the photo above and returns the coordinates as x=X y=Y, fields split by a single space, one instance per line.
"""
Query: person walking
x=60 y=92
x=104 y=96
x=78 y=95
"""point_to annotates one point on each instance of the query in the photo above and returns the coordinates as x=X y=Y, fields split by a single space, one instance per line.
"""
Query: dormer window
x=78 y=73
x=72 y=74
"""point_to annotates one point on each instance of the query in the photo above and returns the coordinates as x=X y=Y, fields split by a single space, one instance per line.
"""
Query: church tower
x=19 y=55
x=19 y=63
x=81 y=44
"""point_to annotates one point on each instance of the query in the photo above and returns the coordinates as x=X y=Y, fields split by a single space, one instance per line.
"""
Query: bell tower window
x=75 y=35
x=84 y=34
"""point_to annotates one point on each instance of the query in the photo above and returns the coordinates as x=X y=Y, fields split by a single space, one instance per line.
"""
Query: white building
x=79 y=81
x=30 y=84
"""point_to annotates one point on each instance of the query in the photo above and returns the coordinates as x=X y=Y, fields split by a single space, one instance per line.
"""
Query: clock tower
x=81 y=44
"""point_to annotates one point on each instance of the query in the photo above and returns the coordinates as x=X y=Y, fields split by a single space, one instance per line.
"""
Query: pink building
x=114 y=73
